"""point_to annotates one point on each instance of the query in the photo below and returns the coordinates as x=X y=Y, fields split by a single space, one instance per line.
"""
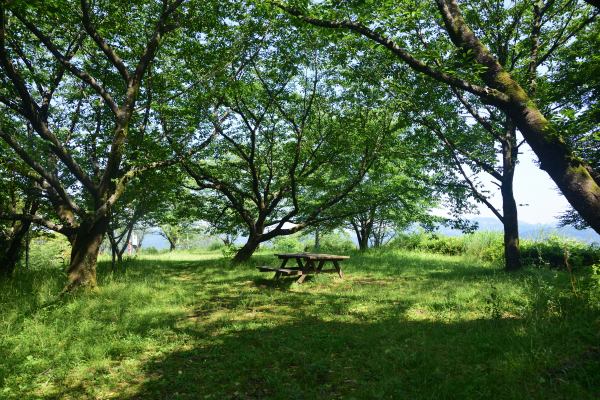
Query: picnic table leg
x=320 y=266
x=278 y=274
x=301 y=278
x=299 y=263
x=338 y=268
x=308 y=265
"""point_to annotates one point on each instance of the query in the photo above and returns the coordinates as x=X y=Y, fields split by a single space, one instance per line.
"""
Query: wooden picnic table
x=307 y=263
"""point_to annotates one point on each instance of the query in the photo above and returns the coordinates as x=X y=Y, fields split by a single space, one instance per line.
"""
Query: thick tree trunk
x=247 y=250
x=362 y=229
x=512 y=252
x=84 y=255
x=576 y=180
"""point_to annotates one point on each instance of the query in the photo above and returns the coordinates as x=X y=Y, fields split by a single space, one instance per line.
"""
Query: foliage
x=336 y=242
x=49 y=251
x=288 y=244
x=488 y=247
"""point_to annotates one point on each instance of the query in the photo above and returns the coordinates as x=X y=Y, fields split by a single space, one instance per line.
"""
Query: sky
x=538 y=196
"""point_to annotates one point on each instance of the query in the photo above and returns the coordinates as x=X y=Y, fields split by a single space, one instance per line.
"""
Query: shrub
x=288 y=244
x=49 y=250
x=151 y=250
x=336 y=242
x=551 y=251
x=485 y=246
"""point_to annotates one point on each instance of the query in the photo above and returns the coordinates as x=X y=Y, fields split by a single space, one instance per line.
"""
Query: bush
x=336 y=242
x=49 y=250
x=554 y=250
x=485 y=246
x=288 y=244
x=450 y=245
x=551 y=251
x=150 y=250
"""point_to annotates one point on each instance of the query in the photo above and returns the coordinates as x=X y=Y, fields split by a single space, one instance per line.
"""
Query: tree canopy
x=267 y=118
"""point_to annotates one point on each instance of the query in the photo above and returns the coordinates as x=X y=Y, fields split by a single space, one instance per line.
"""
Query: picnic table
x=307 y=263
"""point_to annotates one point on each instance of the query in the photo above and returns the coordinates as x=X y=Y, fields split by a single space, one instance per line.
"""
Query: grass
x=400 y=325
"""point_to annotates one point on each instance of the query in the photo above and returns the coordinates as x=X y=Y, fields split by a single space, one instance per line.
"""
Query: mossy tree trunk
x=84 y=254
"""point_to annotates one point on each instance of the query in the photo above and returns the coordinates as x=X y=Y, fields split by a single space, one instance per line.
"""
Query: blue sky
x=541 y=201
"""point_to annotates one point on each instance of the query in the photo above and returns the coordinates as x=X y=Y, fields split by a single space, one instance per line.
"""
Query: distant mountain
x=530 y=231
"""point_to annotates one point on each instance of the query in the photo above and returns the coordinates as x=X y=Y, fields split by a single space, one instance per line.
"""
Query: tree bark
x=363 y=242
x=10 y=258
x=363 y=228
x=247 y=250
x=510 y=221
x=84 y=254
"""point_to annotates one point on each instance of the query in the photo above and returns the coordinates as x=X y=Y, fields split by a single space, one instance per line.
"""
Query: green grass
x=400 y=325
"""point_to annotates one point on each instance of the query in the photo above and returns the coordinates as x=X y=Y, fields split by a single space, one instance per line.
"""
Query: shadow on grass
x=310 y=358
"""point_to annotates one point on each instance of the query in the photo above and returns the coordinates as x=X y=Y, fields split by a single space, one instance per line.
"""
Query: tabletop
x=312 y=256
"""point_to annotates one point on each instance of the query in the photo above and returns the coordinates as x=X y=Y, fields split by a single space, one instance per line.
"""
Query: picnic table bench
x=307 y=263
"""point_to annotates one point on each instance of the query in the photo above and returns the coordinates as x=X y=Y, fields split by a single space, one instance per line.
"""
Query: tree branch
x=490 y=95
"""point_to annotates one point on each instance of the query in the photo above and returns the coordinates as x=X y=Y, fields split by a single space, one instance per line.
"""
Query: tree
x=397 y=192
x=485 y=77
x=575 y=91
x=70 y=75
x=146 y=203
x=15 y=198
x=274 y=167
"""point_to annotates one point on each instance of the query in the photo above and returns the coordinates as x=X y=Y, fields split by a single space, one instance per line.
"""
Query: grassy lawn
x=400 y=325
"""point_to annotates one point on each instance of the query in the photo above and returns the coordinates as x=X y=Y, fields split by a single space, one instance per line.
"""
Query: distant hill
x=530 y=231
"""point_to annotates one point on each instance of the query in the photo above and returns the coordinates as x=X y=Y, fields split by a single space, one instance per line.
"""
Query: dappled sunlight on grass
x=400 y=325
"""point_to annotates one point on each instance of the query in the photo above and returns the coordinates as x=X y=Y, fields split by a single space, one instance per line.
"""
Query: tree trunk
x=10 y=258
x=27 y=247
x=363 y=242
x=84 y=255
x=510 y=221
x=317 y=239
x=247 y=250
x=362 y=229
x=113 y=249
x=512 y=252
